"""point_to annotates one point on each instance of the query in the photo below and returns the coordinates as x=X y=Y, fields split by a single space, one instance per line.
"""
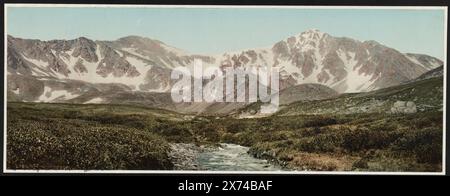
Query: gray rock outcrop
x=404 y=107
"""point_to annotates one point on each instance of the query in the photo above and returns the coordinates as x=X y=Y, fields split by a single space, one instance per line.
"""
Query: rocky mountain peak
x=138 y=40
x=343 y=64
x=312 y=34
x=83 y=39
x=85 y=48
x=371 y=43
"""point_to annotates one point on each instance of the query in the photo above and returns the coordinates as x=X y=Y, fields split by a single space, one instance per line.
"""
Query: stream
x=232 y=157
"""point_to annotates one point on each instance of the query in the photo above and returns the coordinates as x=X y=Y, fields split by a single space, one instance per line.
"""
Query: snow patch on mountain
x=50 y=95
x=38 y=62
x=95 y=100
x=16 y=91
x=356 y=82
x=133 y=52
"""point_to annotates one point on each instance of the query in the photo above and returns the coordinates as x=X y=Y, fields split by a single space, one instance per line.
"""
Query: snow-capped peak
x=312 y=56
x=307 y=40
x=312 y=34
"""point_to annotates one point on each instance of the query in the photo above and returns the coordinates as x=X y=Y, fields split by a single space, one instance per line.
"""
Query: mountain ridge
x=144 y=64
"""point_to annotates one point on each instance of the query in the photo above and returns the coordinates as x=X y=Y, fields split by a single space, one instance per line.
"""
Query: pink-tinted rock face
x=85 y=48
x=114 y=64
x=323 y=77
x=17 y=64
x=281 y=50
x=307 y=65
x=287 y=82
x=291 y=41
x=335 y=66
x=79 y=67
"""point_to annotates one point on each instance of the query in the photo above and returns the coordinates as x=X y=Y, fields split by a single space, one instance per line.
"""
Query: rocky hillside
x=437 y=72
x=419 y=96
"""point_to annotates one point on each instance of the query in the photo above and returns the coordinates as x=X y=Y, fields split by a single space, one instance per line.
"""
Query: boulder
x=404 y=107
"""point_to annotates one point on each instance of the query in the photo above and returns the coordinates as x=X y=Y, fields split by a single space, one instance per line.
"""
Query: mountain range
x=136 y=70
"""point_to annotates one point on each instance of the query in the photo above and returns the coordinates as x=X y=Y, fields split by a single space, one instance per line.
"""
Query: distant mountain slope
x=302 y=92
x=428 y=62
x=437 y=72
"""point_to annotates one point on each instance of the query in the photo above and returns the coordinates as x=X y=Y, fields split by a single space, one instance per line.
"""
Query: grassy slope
x=65 y=136
x=374 y=142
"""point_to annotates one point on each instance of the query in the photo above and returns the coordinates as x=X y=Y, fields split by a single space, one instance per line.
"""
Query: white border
x=444 y=8
x=226 y=6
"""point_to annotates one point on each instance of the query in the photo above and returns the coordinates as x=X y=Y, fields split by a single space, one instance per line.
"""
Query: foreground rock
x=184 y=156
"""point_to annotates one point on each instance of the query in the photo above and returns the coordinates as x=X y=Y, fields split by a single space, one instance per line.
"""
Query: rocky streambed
x=225 y=157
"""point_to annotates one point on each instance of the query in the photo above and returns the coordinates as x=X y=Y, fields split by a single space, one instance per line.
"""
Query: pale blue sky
x=214 y=30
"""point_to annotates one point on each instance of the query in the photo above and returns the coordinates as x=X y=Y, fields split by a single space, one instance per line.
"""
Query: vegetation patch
x=69 y=136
